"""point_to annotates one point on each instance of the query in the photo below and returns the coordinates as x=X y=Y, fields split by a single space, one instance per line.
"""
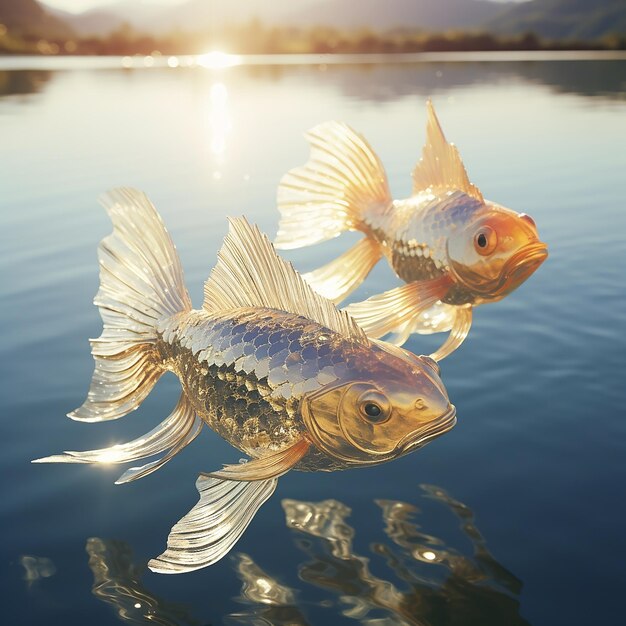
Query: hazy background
x=339 y=26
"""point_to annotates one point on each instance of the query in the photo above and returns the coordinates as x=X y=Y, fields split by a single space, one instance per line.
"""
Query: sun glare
x=219 y=124
x=217 y=60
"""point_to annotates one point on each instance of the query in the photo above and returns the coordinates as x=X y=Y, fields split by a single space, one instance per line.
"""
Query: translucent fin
x=339 y=278
x=438 y=318
x=141 y=282
x=460 y=330
x=173 y=434
x=401 y=334
x=441 y=166
x=270 y=466
x=328 y=195
x=213 y=526
x=249 y=273
x=394 y=310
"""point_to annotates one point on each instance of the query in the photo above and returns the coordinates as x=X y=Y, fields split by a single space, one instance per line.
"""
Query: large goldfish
x=267 y=363
x=454 y=249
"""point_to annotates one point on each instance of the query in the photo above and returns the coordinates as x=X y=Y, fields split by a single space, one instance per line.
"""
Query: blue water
x=514 y=517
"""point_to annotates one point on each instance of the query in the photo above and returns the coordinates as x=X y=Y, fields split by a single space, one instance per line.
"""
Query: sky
x=77 y=6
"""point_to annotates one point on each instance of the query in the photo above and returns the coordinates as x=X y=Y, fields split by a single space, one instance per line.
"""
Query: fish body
x=413 y=232
x=247 y=373
x=453 y=249
x=268 y=364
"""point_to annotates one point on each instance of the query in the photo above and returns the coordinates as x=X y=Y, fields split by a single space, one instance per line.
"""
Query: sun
x=217 y=59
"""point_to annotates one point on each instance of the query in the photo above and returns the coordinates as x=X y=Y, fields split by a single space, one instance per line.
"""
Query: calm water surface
x=514 y=517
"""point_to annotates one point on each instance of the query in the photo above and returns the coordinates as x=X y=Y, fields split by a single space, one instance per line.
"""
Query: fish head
x=495 y=252
x=394 y=405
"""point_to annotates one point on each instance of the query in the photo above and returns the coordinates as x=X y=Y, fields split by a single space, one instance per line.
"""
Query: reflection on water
x=219 y=124
x=381 y=82
x=271 y=602
x=23 y=82
x=420 y=578
x=384 y=83
x=440 y=584
x=36 y=567
x=117 y=581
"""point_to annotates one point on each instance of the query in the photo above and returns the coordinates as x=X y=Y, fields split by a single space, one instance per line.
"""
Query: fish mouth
x=419 y=438
x=521 y=265
x=514 y=272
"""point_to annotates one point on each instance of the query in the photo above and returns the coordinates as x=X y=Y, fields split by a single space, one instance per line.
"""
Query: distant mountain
x=552 y=19
x=97 y=22
x=102 y=21
x=423 y=14
x=562 y=19
x=192 y=16
x=198 y=15
x=28 y=17
x=195 y=14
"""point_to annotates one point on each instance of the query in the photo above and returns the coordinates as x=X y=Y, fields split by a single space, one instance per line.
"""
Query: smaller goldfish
x=454 y=249
x=267 y=363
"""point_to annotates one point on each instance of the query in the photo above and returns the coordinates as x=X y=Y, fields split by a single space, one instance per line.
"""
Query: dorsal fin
x=249 y=273
x=441 y=167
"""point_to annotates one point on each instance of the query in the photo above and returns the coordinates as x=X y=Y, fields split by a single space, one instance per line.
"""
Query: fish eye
x=374 y=406
x=372 y=409
x=485 y=240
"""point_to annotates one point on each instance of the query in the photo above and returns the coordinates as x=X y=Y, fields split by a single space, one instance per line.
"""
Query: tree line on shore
x=254 y=38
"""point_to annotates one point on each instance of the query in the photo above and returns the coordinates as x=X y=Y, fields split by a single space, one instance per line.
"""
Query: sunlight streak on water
x=219 y=121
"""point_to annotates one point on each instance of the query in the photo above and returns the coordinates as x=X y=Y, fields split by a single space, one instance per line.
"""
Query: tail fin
x=342 y=179
x=339 y=278
x=141 y=282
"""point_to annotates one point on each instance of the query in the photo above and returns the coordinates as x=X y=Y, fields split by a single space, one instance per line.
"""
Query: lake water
x=514 y=517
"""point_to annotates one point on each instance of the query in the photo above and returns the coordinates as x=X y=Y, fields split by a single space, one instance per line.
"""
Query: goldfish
x=267 y=363
x=453 y=249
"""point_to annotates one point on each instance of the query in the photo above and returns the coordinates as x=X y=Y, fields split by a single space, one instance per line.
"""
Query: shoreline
x=219 y=60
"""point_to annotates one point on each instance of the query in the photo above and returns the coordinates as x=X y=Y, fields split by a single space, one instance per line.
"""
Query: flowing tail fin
x=342 y=180
x=141 y=282
x=339 y=278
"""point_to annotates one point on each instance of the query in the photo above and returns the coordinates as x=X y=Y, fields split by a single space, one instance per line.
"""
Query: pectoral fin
x=460 y=329
x=229 y=499
x=179 y=429
x=270 y=466
x=214 y=524
x=393 y=311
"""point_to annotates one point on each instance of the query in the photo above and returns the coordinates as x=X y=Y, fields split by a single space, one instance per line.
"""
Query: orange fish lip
x=521 y=265
x=514 y=271
x=420 y=437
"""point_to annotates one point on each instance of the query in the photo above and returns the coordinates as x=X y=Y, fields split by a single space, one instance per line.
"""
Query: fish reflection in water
x=36 y=567
x=117 y=581
x=428 y=582
x=272 y=602
x=441 y=585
